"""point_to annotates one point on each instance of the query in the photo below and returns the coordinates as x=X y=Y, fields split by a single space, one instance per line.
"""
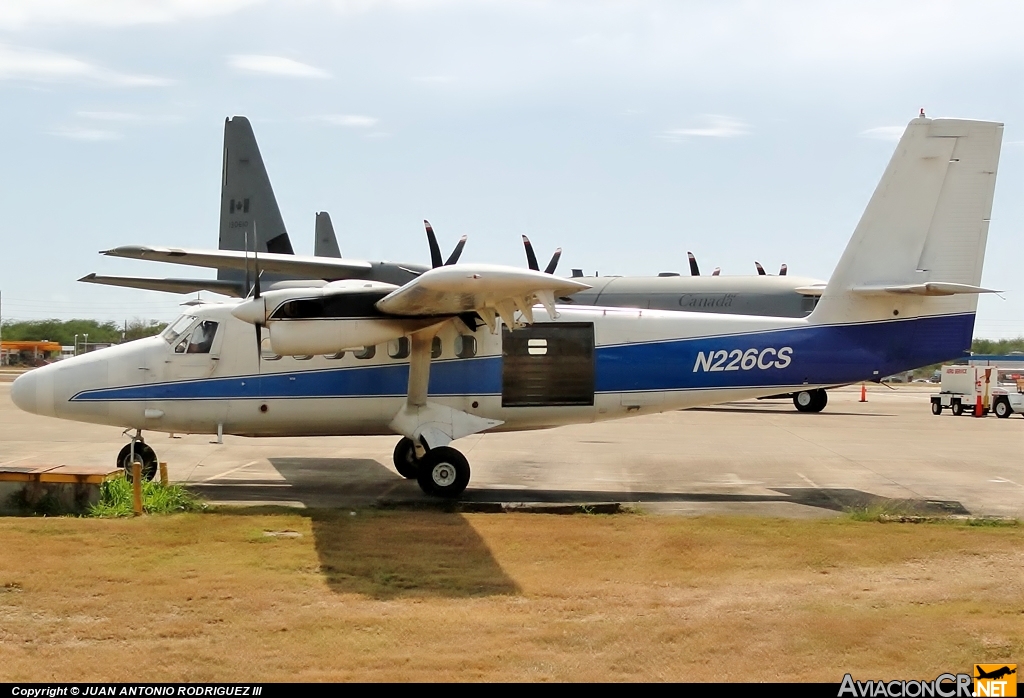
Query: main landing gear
x=441 y=472
x=144 y=455
x=810 y=400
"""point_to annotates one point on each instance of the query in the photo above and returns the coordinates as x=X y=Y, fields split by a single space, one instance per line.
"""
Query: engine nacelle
x=306 y=337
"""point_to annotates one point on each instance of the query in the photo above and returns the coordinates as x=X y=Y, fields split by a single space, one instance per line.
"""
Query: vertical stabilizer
x=247 y=198
x=919 y=246
x=326 y=244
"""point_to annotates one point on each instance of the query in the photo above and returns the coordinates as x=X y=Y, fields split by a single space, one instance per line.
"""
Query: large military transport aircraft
x=251 y=221
x=469 y=348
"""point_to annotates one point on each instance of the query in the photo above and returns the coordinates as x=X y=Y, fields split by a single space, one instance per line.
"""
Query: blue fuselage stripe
x=817 y=355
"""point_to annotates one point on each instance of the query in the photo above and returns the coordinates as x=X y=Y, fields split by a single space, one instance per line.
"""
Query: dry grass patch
x=420 y=595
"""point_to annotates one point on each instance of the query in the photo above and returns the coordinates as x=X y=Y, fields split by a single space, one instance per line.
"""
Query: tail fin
x=326 y=244
x=919 y=247
x=247 y=199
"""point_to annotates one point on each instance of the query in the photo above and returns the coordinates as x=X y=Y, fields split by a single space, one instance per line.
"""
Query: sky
x=625 y=132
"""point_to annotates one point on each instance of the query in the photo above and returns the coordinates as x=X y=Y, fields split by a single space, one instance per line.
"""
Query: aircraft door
x=548 y=364
x=195 y=354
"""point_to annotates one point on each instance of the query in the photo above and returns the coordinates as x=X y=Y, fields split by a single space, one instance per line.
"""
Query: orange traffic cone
x=979 y=411
x=863 y=393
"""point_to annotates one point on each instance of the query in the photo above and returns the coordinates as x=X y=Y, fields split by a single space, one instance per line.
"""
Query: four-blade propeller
x=531 y=257
x=435 y=251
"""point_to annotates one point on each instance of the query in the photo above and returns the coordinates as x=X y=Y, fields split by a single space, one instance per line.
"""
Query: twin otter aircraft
x=463 y=349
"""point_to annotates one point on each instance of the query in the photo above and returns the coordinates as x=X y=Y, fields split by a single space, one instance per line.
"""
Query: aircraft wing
x=484 y=288
x=228 y=288
x=297 y=266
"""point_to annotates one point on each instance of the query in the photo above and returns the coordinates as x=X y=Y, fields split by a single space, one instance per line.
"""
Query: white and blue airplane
x=465 y=348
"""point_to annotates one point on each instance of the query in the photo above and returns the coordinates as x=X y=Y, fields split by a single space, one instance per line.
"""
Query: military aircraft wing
x=225 y=287
x=297 y=266
x=484 y=288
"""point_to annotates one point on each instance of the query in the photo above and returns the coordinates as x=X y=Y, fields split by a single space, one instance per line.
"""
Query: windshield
x=175 y=329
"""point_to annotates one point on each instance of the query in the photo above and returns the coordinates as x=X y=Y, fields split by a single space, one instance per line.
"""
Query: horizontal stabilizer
x=296 y=266
x=225 y=287
x=452 y=290
x=931 y=288
x=814 y=290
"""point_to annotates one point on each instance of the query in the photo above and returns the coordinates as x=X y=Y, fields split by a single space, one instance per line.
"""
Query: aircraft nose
x=33 y=392
x=23 y=392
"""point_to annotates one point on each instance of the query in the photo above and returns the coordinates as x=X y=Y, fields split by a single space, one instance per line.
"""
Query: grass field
x=426 y=595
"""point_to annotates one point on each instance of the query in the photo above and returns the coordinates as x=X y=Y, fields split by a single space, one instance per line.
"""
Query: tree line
x=64 y=331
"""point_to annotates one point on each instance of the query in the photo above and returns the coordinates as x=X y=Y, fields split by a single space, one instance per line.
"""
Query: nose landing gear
x=143 y=454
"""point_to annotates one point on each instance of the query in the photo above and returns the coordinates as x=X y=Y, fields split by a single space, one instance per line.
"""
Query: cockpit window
x=175 y=329
x=200 y=340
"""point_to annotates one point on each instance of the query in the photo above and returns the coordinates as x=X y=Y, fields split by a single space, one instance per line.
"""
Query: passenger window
x=337 y=355
x=366 y=353
x=398 y=348
x=465 y=346
x=435 y=348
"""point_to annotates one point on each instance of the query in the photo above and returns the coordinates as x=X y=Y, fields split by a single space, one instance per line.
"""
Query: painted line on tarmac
x=808 y=480
x=228 y=472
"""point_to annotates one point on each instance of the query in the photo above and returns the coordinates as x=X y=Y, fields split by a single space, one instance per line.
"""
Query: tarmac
x=756 y=457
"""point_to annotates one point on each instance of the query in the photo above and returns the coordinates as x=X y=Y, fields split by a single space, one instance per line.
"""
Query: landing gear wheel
x=956 y=408
x=406 y=462
x=810 y=400
x=936 y=408
x=443 y=472
x=145 y=455
x=1003 y=409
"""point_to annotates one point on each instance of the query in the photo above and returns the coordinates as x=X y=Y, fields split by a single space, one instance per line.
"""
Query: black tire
x=406 y=462
x=821 y=399
x=810 y=400
x=144 y=454
x=804 y=401
x=1002 y=408
x=936 y=407
x=956 y=408
x=443 y=472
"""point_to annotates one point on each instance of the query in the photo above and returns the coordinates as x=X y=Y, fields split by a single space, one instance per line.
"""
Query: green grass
x=116 y=499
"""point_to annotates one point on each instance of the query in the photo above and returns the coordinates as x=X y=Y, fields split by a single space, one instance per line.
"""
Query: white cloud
x=18 y=63
x=714 y=126
x=349 y=120
x=19 y=14
x=884 y=133
x=86 y=134
x=275 y=65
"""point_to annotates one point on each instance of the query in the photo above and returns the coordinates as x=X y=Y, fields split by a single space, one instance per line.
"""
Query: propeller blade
x=248 y=287
x=259 y=347
x=694 y=269
x=457 y=252
x=531 y=257
x=760 y=269
x=717 y=271
x=550 y=268
x=255 y=262
x=435 y=251
x=783 y=270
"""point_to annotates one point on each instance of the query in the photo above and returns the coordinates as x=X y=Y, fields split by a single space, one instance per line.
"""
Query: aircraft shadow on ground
x=425 y=547
x=421 y=551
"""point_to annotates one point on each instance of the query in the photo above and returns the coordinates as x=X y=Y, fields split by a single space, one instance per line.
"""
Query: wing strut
x=430 y=424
